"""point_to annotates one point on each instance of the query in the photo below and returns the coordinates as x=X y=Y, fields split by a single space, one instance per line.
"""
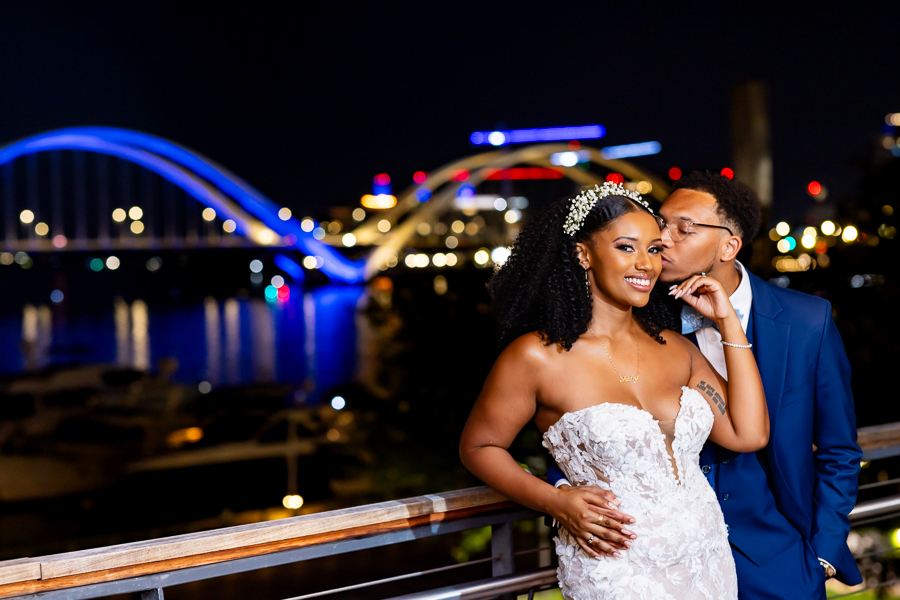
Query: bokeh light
x=26 y=216
x=420 y=177
x=828 y=228
x=284 y=213
x=783 y=228
x=727 y=172
x=814 y=188
x=292 y=501
x=674 y=173
x=135 y=213
x=850 y=233
x=208 y=214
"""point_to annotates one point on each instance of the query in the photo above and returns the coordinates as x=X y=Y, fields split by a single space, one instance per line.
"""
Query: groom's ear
x=730 y=247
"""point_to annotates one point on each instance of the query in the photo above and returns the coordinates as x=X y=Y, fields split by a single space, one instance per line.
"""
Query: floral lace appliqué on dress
x=681 y=551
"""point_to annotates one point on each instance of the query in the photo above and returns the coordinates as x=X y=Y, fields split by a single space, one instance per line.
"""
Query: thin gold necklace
x=622 y=378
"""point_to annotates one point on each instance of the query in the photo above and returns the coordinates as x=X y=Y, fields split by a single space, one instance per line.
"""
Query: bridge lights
x=209 y=214
x=307 y=224
x=284 y=213
x=229 y=226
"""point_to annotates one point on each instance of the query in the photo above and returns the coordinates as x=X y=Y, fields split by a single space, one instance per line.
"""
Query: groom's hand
x=587 y=511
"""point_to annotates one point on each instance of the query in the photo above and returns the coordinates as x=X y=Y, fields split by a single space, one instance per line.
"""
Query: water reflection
x=310 y=338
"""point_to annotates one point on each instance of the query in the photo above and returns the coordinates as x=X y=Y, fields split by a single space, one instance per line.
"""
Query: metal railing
x=146 y=568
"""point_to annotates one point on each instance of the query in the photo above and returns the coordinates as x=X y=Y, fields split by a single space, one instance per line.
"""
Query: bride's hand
x=589 y=513
x=706 y=296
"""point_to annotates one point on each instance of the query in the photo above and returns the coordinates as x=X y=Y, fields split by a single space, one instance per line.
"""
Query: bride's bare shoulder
x=532 y=349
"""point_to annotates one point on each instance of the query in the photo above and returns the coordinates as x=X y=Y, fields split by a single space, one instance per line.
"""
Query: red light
x=814 y=188
x=461 y=175
x=821 y=247
x=615 y=178
x=420 y=176
x=382 y=179
x=284 y=292
x=674 y=173
x=574 y=145
x=522 y=173
x=726 y=172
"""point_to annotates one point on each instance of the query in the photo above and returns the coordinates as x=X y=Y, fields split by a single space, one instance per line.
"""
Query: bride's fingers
x=611 y=536
x=588 y=549
x=605 y=547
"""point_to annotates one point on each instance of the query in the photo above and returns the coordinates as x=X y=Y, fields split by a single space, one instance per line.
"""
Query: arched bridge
x=184 y=199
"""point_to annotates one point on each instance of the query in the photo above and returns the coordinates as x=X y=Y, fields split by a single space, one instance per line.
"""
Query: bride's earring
x=587 y=283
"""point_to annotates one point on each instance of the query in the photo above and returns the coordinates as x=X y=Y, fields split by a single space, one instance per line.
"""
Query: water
x=308 y=339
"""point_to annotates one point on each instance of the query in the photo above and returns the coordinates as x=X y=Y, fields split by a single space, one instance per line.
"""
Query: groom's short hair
x=736 y=204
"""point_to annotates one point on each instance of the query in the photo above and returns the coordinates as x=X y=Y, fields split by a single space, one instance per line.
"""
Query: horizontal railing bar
x=240 y=565
x=878 y=484
x=874 y=508
x=878 y=453
x=866 y=589
x=487 y=588
x=393 y=579
x=193 y=544
x=876 y=519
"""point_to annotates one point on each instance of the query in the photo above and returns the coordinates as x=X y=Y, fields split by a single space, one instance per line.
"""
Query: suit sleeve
x=554 y=474
x=837 y=457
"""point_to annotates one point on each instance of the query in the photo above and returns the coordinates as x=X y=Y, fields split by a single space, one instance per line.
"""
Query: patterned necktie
x=692 y=321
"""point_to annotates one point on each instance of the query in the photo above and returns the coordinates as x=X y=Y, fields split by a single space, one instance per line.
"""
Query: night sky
x=308 y=101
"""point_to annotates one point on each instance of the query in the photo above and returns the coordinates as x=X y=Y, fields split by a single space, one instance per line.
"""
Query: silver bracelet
x=737 y=345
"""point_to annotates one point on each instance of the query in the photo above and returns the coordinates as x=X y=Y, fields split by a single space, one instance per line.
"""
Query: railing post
x=502 y=550
x=154 y=594
x=502 y=553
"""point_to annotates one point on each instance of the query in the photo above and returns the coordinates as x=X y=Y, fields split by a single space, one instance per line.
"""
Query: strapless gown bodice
x=652 y=467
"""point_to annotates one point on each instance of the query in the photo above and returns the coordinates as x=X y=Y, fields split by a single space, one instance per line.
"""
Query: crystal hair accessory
x=585 y=201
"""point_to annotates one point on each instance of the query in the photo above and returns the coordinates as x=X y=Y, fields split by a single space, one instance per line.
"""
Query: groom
x=786 y=506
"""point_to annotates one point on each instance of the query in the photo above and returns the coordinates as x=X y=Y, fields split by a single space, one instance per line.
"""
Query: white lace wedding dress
x=681 y=551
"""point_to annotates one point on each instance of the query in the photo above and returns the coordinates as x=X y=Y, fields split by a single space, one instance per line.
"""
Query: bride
x=623 y=404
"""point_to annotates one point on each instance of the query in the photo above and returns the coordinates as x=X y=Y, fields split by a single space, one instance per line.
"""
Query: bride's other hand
x=587 y=511
x=706 y=296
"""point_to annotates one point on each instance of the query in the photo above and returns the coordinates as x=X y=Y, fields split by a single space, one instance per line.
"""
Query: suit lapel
x=770 y=346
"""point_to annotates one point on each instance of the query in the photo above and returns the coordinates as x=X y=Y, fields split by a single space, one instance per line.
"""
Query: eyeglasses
x=680 y=229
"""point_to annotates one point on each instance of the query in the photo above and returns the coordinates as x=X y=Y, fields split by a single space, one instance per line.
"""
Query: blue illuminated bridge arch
x=255 y=216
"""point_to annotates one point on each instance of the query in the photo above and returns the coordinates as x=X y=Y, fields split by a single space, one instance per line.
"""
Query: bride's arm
x=506 y=404
x=742 y=418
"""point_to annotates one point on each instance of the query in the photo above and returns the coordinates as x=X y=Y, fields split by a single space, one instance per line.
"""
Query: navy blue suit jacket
x=804 y=483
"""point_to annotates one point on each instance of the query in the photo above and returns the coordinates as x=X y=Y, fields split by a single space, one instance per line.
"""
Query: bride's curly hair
x=541 y=286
